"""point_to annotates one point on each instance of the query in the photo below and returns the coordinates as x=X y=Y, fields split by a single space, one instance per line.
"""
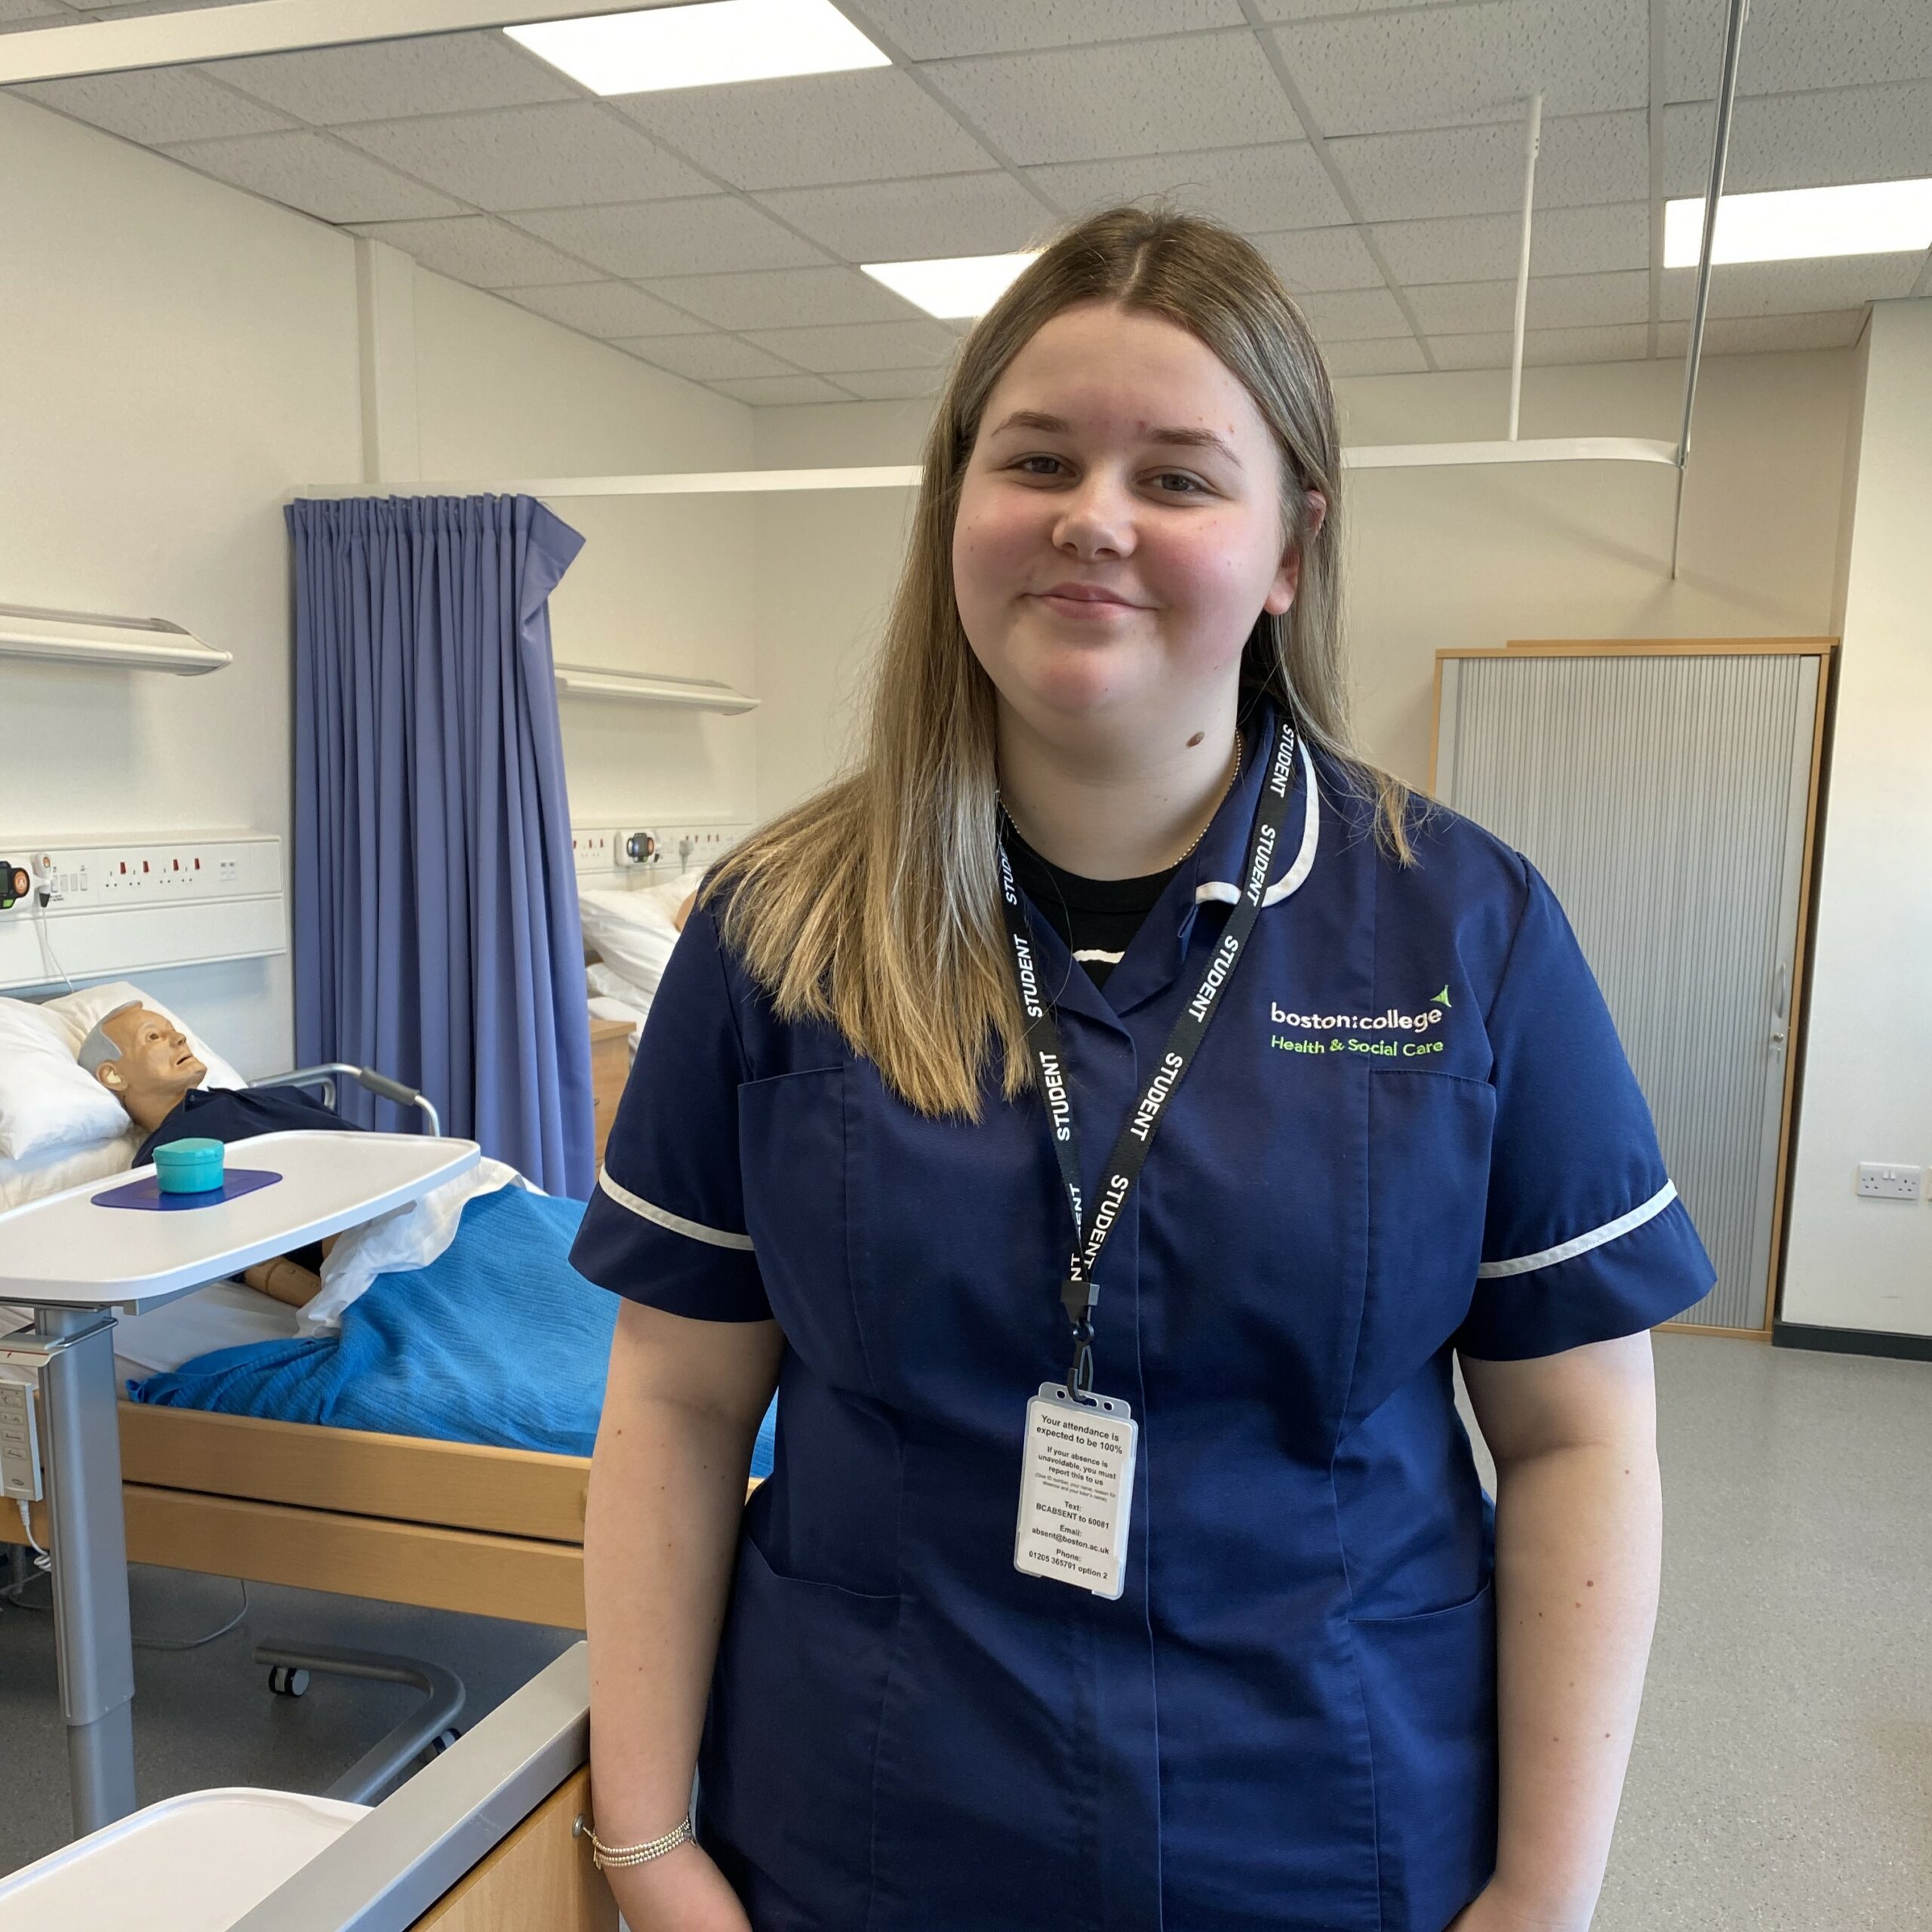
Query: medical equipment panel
x=19 y=1443
x=101 y=907
x=646 y=847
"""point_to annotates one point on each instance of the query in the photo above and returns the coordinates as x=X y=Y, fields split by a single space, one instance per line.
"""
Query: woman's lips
x=1084 y=602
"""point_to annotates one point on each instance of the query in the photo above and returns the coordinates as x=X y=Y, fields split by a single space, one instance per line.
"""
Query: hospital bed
x=448 y=1525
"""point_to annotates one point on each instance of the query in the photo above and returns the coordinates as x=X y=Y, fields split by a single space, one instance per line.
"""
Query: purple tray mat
x=146 y=1194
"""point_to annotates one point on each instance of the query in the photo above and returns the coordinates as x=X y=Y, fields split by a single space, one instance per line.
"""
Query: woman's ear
x=1287 y=579
x=1315 y=506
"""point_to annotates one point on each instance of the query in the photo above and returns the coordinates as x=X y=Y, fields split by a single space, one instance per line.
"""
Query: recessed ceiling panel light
x=956 y=288
x=704 y=45
x=1795 y=224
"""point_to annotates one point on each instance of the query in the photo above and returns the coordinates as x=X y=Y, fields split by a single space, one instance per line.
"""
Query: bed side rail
x=326 y=1075
x=390 y=1868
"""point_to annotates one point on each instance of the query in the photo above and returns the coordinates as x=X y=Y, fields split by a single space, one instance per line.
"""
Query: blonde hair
x=874 y=904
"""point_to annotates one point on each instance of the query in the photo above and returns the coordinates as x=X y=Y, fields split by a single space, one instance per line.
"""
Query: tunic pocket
x=786 y=1771
x=1429 y=1685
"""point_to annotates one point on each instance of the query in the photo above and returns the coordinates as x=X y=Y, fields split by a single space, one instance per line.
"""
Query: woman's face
x=1119 y=528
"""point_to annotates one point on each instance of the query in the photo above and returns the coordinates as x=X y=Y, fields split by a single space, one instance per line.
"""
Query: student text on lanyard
x=1076 y=1480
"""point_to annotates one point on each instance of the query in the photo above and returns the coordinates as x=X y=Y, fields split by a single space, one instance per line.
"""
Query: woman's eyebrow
x=1174 y=438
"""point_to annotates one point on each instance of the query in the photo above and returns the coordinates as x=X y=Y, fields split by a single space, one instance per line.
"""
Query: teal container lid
x=189 y=1167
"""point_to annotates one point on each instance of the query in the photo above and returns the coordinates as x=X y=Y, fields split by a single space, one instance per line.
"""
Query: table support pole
x=88 y=1540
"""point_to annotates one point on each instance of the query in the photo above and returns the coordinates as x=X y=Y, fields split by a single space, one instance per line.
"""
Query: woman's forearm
x=661 y=1531
x=1578 y=1536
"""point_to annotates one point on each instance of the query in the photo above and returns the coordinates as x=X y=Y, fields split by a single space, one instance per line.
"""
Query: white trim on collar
x=1290 y=880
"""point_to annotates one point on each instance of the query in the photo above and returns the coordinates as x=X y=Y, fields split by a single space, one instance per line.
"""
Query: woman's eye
x=1179 y=482
x=1040 y=465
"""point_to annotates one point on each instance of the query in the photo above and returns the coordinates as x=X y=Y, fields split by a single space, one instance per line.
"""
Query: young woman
x=1103 y=1113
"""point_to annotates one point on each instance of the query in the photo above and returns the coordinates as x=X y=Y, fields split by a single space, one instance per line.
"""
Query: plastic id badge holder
x=1076 y=1489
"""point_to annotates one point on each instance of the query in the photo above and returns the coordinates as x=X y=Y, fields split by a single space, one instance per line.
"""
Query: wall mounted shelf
x=112 y=643
x=640 y=688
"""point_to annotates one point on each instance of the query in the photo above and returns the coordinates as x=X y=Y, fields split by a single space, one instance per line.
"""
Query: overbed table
x=76 y=1263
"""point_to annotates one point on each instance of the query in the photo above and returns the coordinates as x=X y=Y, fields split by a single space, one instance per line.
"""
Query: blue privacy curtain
x=436 y=934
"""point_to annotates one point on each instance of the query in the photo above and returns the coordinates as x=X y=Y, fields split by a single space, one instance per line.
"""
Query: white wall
x=1867 y=1068
x=1434 y=557
x=177 y=358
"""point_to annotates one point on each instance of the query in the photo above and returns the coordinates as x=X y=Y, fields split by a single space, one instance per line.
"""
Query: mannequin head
x=144 y=1060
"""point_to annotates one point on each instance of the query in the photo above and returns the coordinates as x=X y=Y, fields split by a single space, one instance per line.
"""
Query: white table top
x=66 y=1252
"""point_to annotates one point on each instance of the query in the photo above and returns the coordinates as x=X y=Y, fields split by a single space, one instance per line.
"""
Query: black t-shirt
x=1097 y=918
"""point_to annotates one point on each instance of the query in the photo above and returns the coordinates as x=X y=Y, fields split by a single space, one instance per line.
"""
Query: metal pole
x=80 y=1442
x=1733 y=34
x=1522 y=265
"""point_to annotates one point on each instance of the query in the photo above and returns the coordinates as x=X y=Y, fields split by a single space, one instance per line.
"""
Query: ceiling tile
x=1586 y=159
x=385 y=80
x=1352 y=315
x=1374 y=73
x=1559 y=301
x=896 y=221
x=1278 y=186
x=1082 y=103
x=935 y=30
x=563 y=155
x=1486 y=248
x=703 y=358
x=1625 y=343
x=1793 y=288
x=818 y=128
x=316 y=173
x=484 y=253
x=892 y=385
x=769 y=389
x=1305 y=10
x=611 y=309
x=1394 y=355
x=1792 y=44
x=1312 y=260
x=1750 y=335
x=163 y=104
x=707 y=236
x=1805 y=140
x=782 y=298
x=863 y=345
x=42 y=12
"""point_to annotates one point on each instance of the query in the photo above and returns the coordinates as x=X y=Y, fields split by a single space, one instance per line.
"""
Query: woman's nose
x=1095 y=521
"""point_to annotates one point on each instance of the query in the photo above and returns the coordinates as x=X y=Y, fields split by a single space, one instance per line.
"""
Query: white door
x=1664 y=798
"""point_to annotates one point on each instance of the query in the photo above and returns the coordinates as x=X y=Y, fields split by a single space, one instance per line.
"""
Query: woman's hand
x=683 y=1891
x=1493 y=1910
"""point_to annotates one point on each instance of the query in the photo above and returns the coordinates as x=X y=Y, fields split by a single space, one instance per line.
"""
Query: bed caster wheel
x=443 y=1740
x=285 y=1681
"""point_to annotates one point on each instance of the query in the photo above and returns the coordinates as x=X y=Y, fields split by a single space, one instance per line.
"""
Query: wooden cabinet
x=610 y=1067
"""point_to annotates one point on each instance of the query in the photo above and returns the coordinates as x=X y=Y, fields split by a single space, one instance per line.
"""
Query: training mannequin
x=144 y=1060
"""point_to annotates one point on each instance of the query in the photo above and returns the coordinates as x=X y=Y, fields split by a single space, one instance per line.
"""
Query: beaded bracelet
x=605 y=1856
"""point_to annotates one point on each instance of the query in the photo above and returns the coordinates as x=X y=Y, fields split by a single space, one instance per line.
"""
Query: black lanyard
x=1079 y=1294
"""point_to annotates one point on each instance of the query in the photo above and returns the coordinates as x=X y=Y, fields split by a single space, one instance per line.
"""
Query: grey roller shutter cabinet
x=1666 y=799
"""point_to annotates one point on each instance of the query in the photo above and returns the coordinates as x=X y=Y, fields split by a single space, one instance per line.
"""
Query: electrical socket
x=1881 y=1180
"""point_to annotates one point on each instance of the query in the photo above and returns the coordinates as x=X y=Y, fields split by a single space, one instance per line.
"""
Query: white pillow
x=47 y=1102
x=42 y=1174
x=631 y=931
x=78 y=1013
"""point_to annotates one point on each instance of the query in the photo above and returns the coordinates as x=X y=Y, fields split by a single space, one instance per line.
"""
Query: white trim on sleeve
x=1524 y=1264
x=650 y=1211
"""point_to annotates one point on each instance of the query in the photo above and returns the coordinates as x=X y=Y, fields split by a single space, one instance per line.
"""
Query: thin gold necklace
x=1234 y=779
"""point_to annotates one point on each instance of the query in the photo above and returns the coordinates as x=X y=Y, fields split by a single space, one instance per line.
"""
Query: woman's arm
x=1578 y=1540
x=681 y=1409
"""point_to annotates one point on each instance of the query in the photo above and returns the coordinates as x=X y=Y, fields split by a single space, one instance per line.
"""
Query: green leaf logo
x=1442 y=998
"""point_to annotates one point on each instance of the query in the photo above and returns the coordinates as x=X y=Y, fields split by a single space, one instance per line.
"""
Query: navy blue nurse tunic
x=1411 y=1130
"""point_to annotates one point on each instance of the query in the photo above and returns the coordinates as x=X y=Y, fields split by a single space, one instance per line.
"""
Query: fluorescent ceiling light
x=956 y=288
x=703 y=45
x=1794 y=224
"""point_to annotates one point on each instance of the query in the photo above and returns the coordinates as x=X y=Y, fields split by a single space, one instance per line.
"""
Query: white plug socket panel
x=1883 y=1180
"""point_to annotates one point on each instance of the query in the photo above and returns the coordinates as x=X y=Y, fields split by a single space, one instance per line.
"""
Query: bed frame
x=448 y=1525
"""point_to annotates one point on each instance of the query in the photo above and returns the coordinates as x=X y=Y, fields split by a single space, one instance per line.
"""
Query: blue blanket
x=498 y=1340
